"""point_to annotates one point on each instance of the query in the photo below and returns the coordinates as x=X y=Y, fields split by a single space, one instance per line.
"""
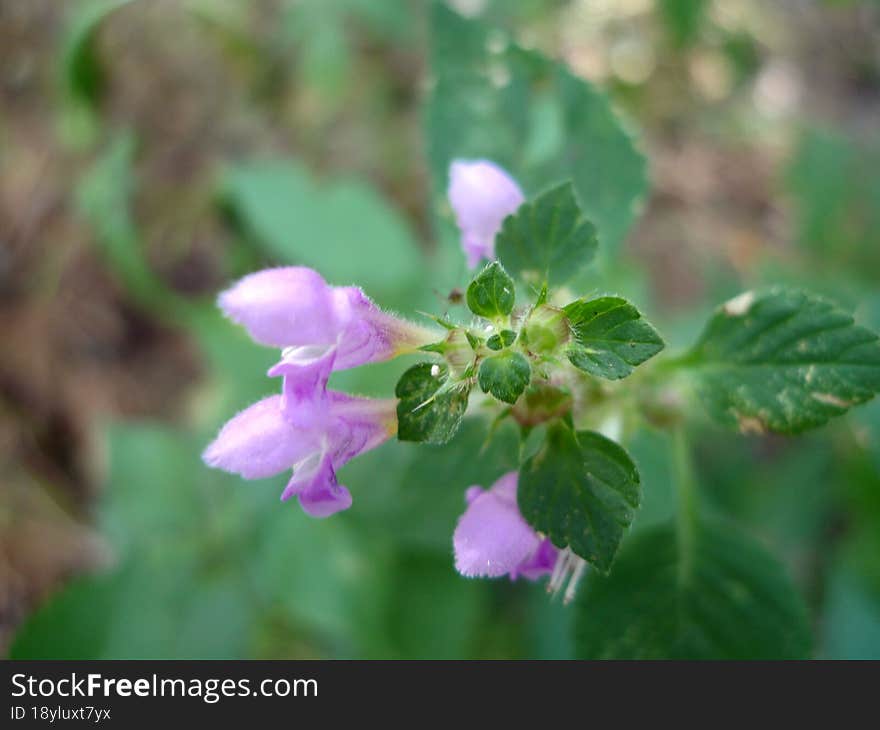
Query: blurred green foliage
x=207 y=565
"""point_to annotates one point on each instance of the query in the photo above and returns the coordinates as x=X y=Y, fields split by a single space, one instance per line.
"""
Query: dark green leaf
x=719 y=596
x=505 y=375
x=548 y=240
x=783 y=361
x=430 y=407
x=610 y=337
x=581 y=490
x=503 y=339
x=491 y=294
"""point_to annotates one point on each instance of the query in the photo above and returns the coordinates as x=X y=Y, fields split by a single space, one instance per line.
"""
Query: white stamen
x=578 y=573
x=568 y=568
x=560 y=569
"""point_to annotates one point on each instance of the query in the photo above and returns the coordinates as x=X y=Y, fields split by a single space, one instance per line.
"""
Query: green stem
x=686 y=486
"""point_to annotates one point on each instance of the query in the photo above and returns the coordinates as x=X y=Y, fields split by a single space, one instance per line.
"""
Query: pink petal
x=358 y=425
x=314 y=483
x=305 y=370
x=258 y=442
x=492 y=538
x=372 y=335
x=482 y=195
x=284 y=307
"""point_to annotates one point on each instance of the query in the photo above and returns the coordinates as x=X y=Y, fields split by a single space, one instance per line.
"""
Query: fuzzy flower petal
x=314 y=483
x=372 y=335
x=482 y=195
x=358 y=425
x=538 y=564
x=284 y=307
x=259 y=442
x=305 y=370
x=493 y=539
x=294 y=307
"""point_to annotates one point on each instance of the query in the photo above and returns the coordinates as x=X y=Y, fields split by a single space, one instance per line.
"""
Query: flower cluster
x=321 y=328
x=309 y=428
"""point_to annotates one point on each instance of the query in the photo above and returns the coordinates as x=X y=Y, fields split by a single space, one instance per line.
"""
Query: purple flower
x=493 y=539
x=313 y=432
x=482 y=195
x=295 y=309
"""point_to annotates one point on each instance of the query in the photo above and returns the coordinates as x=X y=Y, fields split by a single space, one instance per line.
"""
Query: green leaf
x=783 y=361
x=492 y=99
x=503 y=339
x=548 y=240
x=341 y=227
x=81 y=73
x=430 y=407
x=610 y=337
x=505 y=375
x=720 y=596
x=491 y=294
x=581 y=490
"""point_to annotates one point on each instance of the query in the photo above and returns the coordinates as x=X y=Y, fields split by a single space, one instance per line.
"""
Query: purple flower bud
x=482 y=195
x=315 y=433
x=493 y=539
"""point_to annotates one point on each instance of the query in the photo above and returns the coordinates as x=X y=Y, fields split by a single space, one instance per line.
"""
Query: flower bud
x=545 y=330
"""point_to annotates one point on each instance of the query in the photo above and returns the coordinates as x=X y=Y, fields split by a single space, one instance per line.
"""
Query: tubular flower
x=295 y=309
x=482 y=195
x=492 y=538
x=314 y=431
x=315 y=434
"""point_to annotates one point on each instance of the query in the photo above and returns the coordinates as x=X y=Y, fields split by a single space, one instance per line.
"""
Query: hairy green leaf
x=581 y=490
x=783 y=361
x=548 y=240
x=492 y=293
x=610 y=337
x=503 y=339
x=505 y=375
x=430 y=407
